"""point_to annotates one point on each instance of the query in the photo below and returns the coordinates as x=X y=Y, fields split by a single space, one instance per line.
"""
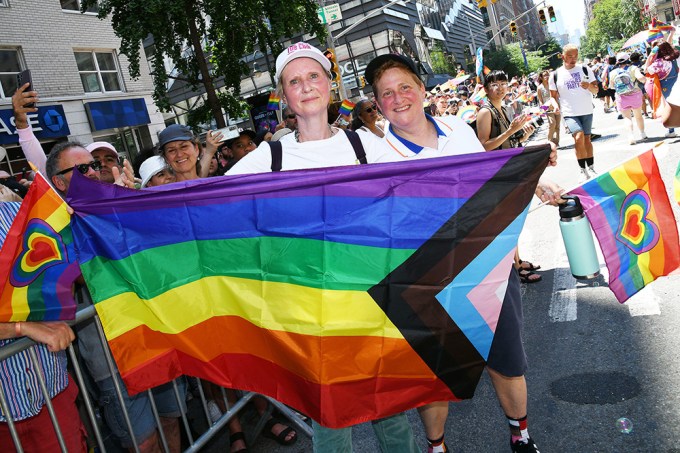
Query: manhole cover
x=595 y=388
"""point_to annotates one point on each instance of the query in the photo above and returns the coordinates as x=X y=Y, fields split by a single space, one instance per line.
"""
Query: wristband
x=17 y=329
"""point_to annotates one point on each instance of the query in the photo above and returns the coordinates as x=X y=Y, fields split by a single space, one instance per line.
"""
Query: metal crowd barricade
x=195 y=444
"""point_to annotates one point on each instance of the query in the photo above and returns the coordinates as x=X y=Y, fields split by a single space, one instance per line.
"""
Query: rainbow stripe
x=274 y=102
x=365 y=285
x=632 y=218
x=346 y=107
x=676 y=184
x=37 y=260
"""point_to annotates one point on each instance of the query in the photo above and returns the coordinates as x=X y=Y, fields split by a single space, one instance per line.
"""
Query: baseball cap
x=101 y=145
x=247 y=132
x=300 y=50
x=377 y=62
x=151 y=167
x=622 y=57
x=174 y=133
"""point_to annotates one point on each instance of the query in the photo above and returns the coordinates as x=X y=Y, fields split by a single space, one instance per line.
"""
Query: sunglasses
x=291 y=117
x=371 y=108
x=83 y=168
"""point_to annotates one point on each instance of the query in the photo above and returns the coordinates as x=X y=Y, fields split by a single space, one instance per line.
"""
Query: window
x=4 y=3
x=98 y=71
x=9 y=69
x=74 y=5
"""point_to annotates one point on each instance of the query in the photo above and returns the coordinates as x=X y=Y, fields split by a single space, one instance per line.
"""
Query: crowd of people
x=401 y=121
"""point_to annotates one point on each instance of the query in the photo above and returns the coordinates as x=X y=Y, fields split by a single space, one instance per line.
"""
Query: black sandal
x=281 y=437
x=525 y=276
x=530 y=266
x=235 y=437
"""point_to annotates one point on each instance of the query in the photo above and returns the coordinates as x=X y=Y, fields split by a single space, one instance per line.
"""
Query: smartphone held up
x=23 y=78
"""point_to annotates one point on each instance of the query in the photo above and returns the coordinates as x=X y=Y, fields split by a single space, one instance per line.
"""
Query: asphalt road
x=592 y=361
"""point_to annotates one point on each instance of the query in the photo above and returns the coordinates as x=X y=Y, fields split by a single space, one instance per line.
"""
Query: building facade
x=86 y=92
x=529 y=27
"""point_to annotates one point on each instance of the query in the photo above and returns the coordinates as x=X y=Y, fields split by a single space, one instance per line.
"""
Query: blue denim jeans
x=394 y=436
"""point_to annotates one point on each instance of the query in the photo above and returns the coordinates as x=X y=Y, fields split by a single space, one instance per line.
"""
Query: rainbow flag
x=274 y=102
x=323 y=290
x=37 y=260
x=676 y=184
x=660 y=25
x=632 y=218
x=346 y=107
x=479 y=64
x=478 y=97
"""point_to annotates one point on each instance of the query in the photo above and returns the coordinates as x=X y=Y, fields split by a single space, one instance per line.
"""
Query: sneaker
x=620 y=117
x=591 y=171
x=520 y=447
x=594 y=136
x=631 y=140
x=214 y=412
x=670 y=134
x=643 y=136
x=584 y=176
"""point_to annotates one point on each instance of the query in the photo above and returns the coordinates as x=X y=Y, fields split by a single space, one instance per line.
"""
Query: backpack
x=623 y=82
x=277 y=150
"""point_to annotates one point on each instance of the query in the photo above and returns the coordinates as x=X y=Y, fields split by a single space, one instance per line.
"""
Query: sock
x=582 y=163
x=589 y=161
x=436 y=446
x=518 y=430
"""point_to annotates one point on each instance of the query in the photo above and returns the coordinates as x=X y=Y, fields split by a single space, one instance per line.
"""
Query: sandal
x=525 y=276
x=528 y=266
x=235 y=437
x=281 y=437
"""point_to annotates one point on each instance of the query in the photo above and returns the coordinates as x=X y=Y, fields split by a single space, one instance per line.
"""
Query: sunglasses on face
x=291 y=117
x=83 y=168
x=371 y=108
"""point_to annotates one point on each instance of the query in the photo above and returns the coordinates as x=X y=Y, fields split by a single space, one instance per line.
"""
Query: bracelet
x=17 y=329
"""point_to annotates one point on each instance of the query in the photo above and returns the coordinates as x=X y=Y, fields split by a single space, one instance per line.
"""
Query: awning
x=434 y=34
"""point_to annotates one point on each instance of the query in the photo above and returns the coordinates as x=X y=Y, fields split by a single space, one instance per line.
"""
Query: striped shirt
x=18 y=376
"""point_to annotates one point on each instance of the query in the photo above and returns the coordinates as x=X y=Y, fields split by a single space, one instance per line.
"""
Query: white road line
x=563 y=301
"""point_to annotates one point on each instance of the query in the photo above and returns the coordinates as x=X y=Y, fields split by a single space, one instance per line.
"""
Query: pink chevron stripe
x=487 y=297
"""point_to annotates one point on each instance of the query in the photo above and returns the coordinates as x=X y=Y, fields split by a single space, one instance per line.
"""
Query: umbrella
x=458 y=80
x=643 y=37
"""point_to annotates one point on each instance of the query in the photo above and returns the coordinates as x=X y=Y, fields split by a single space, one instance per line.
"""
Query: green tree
x=206 y=40
x=509 y=59
x=551 y=50
x=614 y=21
x=441 y=62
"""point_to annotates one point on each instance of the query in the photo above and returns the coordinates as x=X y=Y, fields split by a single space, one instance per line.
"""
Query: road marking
x=563 y=301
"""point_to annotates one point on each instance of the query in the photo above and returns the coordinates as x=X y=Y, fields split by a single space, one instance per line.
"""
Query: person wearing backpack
x=573 y=87
x=624 y=80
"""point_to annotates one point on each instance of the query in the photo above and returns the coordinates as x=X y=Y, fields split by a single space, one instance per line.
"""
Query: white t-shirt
x=456 y=137
x=331 y=152
x=574 y=100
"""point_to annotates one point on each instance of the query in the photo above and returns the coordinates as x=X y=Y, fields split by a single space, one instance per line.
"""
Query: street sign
x=329 y=13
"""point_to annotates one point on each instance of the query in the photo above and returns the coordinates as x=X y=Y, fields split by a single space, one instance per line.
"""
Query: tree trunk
x=213 y=101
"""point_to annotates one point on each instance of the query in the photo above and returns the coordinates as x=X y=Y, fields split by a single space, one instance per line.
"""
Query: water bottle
x=578 y=239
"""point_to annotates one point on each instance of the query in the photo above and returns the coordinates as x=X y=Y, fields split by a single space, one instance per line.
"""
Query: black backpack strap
x=277 y=155
x=555 y=77
x=355 y=140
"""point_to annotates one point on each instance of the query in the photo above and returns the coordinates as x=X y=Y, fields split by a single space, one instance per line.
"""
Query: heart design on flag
x=636 y=231
x=41 y=248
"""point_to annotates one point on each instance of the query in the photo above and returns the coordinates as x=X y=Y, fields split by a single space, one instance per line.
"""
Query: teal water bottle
x=578 y=239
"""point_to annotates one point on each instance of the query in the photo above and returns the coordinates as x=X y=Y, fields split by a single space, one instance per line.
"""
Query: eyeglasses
x=496 y=86
x=83 y=168
x=370 y=109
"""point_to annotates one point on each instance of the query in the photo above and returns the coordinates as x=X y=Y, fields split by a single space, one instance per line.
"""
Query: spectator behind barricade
x=21 y=386
x=624 y=80
x=364 y=117
x=64 y=159
x=155 y=171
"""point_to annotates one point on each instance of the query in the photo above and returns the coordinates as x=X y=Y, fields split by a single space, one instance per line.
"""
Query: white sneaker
x=214 y=412
x=670 y=134
x=631 y=140
x=643 y=136
x=584 y=176
x=592 y=171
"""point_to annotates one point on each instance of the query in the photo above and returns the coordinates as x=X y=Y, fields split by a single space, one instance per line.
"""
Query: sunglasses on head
x=83 y=168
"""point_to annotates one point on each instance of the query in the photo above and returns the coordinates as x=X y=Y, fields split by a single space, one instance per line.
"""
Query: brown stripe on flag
x=407 y=294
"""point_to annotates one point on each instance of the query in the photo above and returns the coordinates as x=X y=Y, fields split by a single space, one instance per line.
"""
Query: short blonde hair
x=569 y=47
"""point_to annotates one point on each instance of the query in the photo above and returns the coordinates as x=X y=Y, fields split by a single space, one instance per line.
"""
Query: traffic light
x=362 y=81
x=482 y=3
x=513 y=28
x=541 y=16
x=335 y=70
x=551 y=13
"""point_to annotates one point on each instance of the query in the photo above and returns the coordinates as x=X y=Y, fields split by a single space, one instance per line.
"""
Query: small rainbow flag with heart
x=632 y=218
x=346 y=107
x=38 y=261
x=274 y=102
